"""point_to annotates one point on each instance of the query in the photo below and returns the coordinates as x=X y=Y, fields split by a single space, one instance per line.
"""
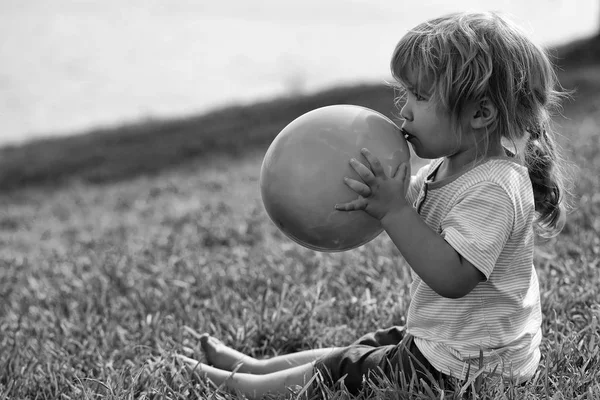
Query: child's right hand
x=378 y=194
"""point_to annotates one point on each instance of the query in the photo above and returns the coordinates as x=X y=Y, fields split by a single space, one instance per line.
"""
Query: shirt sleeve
x=479 y=225
x=416 y=183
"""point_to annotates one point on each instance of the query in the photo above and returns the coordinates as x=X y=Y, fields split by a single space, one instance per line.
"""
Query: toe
x=206 y=343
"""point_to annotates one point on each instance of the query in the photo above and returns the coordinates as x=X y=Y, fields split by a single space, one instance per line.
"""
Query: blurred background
x=71 y=65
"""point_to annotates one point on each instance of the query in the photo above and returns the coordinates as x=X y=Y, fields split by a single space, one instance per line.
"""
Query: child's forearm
x=429 y=255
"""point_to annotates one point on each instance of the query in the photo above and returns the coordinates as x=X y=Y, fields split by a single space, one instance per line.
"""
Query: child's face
x=429 y=129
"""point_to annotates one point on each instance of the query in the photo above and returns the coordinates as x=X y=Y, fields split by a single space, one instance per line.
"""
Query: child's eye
x=418 y=96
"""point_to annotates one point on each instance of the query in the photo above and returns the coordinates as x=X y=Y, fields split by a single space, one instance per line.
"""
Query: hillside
x=148 y=147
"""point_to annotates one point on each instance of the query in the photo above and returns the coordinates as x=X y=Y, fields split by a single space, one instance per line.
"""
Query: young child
x=478 y=96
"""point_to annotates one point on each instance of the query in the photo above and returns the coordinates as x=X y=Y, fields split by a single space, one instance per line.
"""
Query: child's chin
x=422 y=154
x=417 y=150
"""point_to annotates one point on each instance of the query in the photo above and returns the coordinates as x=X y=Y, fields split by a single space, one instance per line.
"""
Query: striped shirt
x=486 y=215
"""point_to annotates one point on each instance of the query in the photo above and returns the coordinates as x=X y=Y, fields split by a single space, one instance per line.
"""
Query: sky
x=67 y=66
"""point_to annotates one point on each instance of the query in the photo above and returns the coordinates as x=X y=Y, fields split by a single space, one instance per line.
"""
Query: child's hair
x=475 y=56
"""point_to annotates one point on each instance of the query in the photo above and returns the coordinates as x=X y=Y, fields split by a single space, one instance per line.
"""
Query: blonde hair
x=474 y=56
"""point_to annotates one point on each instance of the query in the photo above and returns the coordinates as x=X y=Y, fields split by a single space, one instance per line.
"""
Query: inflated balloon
x=302 y=174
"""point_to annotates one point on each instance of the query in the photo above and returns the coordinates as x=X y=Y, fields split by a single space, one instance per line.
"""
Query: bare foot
x=223 y=357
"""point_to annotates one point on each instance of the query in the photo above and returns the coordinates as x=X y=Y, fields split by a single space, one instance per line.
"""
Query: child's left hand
x=378 y=194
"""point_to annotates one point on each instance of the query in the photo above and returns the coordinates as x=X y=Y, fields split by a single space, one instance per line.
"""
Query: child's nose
x=406 y=113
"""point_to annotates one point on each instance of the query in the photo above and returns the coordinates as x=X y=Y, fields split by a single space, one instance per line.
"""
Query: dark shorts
x=390 y=352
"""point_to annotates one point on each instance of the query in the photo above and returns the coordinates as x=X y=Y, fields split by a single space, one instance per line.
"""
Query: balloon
x=302 y=173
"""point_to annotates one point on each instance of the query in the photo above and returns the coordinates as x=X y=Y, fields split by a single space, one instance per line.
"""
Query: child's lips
x=407 y=136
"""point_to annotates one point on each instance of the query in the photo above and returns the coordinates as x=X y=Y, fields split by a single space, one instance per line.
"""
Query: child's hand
x=379 y=194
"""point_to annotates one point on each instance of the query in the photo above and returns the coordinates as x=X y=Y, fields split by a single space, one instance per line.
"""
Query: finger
x=359 y=187
x=401 y=171
x=355 y=205
x=362 y=170
x=374 y=162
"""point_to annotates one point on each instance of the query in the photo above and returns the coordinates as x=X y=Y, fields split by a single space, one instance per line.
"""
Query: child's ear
x=484 y=113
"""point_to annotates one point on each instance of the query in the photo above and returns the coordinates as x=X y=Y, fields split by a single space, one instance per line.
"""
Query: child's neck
x=458 y=162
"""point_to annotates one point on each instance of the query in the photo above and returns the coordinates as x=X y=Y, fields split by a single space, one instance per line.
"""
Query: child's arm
x=427 y=252
x=429 y=255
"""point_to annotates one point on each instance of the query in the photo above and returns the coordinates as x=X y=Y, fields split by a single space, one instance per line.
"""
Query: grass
x=109 y=265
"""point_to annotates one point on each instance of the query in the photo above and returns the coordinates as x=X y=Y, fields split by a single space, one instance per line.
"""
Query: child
x=478 y=101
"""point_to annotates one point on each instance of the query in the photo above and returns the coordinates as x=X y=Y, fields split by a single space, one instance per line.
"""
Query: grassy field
x=113 y=258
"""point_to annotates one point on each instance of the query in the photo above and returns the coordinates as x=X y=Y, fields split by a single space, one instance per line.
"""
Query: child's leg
x=292 y=360
x=226 y=358
x=256 y=386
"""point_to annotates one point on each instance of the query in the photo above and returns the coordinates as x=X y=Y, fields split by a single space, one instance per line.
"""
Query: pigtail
x=542 y=160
